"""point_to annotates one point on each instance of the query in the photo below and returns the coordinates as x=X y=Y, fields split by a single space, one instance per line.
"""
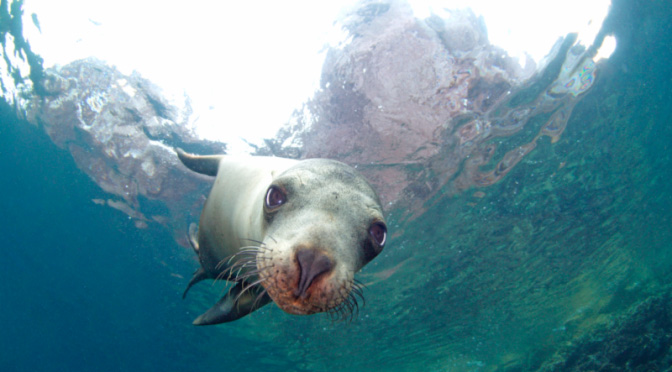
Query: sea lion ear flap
x=207 y=165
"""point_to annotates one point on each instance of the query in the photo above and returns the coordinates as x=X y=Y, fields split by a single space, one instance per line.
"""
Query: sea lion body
x=238 y=191
x=288 y=231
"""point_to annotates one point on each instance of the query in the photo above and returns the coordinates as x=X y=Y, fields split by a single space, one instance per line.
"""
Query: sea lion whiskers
x=241 y=261
x=241 y=279
x=247 y=254
x=240 y=264
x=256 y=300
x=226 y=260
x=348 y=305
x=353 y=301
x=358 y=289
x=250 y=286
x=336 y=314
x=245 y=258
x=246 y=250
x=350 y=310
x=247 y=287
x=256 y=241
x=242 y=257
x=254 y=248
x=252 y=273
x=248 y=262
x=259 y=297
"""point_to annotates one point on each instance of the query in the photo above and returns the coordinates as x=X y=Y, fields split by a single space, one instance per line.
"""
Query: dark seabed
x=563 y=265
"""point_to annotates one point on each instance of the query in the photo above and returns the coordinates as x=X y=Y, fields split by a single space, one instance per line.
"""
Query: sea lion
x=285 y=231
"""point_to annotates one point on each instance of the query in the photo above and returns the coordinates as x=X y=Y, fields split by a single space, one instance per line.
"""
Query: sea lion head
x=323 y=223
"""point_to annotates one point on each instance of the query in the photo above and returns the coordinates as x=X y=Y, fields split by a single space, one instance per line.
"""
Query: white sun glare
x=248 y=65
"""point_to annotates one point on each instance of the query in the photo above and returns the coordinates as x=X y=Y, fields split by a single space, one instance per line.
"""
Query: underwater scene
x=527 y=207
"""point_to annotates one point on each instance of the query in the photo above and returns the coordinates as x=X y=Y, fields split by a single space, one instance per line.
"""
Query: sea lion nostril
x=312 y=263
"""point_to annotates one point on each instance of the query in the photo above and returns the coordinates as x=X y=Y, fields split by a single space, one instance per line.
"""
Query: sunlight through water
x=246 y=66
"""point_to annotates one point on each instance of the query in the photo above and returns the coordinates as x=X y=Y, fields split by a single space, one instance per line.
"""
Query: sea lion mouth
x=307 y=284
x=319 y=299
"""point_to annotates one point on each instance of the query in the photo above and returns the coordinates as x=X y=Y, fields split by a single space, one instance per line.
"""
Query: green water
x=565 y=264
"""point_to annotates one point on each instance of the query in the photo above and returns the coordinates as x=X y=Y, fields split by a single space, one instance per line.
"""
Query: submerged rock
x=639 y=340
x=120 y=131
x=418 y=104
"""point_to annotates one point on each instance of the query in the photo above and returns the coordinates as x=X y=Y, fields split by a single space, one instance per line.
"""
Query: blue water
x=565 y=264
x=78 y=292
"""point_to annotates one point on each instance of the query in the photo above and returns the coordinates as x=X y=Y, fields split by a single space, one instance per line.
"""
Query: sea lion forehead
x=326 y=172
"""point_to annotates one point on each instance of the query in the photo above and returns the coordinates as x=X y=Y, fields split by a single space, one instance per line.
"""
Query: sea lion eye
x=275 y=197
x=378 y=232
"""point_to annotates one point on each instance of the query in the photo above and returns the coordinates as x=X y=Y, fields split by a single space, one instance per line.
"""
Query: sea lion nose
x=312 y=263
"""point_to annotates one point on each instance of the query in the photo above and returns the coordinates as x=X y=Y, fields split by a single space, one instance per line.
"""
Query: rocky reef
x=420 y=105
x=639 y=340
x=121 y=131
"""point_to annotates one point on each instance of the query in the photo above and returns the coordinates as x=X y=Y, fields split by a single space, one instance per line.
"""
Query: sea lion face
x=323 y=223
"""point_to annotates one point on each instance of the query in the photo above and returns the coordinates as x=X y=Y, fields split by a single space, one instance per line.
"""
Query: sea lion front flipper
x=234 y=306
x=199 y=275
x=207 y=165
x=192 y=236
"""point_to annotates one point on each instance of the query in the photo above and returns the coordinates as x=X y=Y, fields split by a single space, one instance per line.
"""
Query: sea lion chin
x=285 y=231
